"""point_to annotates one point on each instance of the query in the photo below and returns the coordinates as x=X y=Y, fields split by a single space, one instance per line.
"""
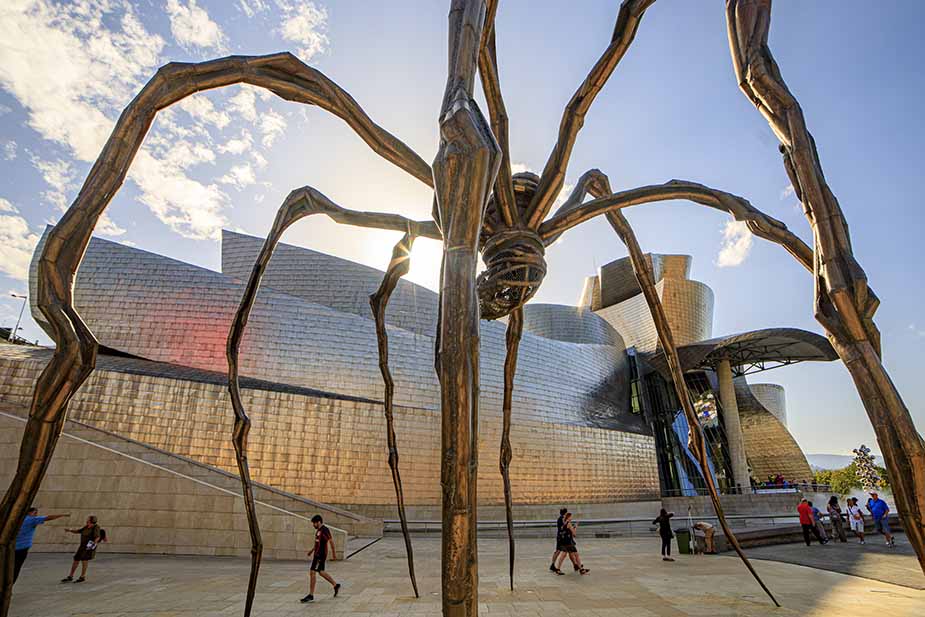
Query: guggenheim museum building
x=595 y=417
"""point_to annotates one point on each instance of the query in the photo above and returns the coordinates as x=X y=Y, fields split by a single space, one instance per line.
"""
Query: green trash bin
x=683 y=536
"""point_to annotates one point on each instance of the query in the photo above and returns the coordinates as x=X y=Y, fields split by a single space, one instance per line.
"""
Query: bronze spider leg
x=488 y=73
x=300 y=203
x=464 y=169
x=573 y=118
x=75 y=347
x=598 y=185
x=515 y=327
x=843 y=303
x=398 y=267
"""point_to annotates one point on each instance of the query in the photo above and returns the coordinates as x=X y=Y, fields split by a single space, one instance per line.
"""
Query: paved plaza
x=627 y=579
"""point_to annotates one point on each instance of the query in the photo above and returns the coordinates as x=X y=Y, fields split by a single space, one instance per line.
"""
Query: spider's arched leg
x=573 y=118
x=491 y=86
x=464 y=169
x=75 y=346
x=597 y=184
x=398 y=267
x=300 y=203
x=740 y=209
x=515 y=328
x=843 y=302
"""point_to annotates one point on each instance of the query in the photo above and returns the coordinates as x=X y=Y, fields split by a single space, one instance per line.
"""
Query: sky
x=227 y=158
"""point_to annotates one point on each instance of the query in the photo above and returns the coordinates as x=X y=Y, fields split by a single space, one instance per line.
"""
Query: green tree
x=844 y=481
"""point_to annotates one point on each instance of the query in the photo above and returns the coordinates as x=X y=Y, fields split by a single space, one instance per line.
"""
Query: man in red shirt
x=807 y=522
x=323 y=538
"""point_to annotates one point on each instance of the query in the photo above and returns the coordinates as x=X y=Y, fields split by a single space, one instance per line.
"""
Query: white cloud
x=192 y=27
x=239 y=176
x=188 y=207
x=201 y=108
x=74 y=66
x=259 y=159
x=17 y=242
x=59 y=175
x=304 y=23
x=4 y=110
x=238 y=145
x=786 y=192
x=917 y=331
x=272 y=125
x=244 y=102
x=9 y=150
x=737 y=243
x=252 y=7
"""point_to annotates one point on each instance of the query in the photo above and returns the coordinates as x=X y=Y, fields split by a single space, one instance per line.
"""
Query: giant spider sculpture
x=479 y=207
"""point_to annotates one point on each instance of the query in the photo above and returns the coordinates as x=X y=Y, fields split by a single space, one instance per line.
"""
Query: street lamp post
x=22 y=308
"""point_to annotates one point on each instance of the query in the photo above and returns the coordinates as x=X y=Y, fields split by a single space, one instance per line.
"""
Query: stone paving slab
x=874 y=560
x=627 y=579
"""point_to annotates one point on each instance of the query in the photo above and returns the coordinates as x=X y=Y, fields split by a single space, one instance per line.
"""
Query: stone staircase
x=153 y=501
x=353 y=524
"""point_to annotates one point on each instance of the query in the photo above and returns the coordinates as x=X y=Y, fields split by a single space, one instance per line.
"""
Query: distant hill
x=835 y=461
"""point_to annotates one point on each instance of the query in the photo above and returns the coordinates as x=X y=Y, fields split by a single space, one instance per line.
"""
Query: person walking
x=856 y=518
x=323 y=539
x=817 y=520
x=663 y=520
x=26 y=534
x=89 y=538
x=567 y=541
x=805 y=510
x=834 y=510
x=559 y=523
x=881 y=513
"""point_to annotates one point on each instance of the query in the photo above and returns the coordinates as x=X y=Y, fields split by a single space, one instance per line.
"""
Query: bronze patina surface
x=480 y=206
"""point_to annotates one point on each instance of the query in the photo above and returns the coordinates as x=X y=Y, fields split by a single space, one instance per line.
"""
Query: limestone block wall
x=165 y=310
x=688 y=306
x=145 y=508
x=332 y=450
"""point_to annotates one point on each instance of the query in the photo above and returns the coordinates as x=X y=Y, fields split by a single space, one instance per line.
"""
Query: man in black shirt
x=559 y=522
x=323 y=538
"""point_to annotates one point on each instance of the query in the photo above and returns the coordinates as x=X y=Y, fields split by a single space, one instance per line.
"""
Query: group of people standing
x=811 y=519
x=90 y=536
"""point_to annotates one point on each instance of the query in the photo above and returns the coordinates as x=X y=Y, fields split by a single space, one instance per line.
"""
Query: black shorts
x=318 y=563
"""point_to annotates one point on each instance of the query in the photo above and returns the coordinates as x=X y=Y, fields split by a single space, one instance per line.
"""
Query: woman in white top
x=856 y=518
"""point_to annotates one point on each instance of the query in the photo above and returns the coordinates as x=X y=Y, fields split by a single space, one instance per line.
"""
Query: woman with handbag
x=89 y=537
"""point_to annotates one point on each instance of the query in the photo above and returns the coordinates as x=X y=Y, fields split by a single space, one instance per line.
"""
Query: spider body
x=514 y=256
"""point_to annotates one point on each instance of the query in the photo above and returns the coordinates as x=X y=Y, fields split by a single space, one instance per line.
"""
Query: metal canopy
x=750 y=352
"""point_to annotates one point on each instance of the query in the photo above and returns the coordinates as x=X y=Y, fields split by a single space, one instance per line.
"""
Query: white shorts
x=857 y=525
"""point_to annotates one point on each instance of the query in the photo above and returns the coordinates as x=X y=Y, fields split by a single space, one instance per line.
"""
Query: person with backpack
x=90 y=537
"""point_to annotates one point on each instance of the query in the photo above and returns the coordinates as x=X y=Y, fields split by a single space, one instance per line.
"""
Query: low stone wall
x=735 y=505
x=146 y=508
